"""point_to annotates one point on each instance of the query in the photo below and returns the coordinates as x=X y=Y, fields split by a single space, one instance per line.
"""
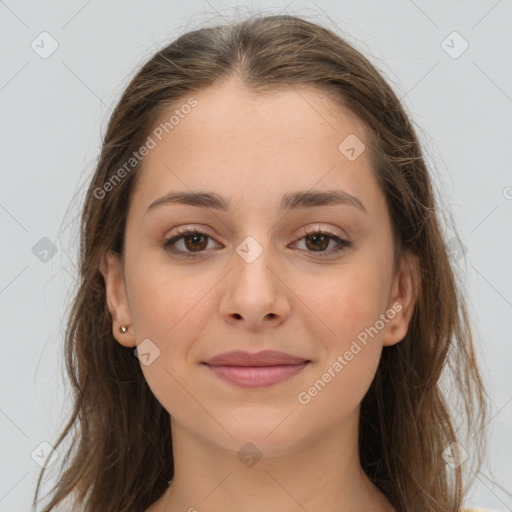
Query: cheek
x=166 y=302
x=352 y=359
x=354 y=300
x=170 y=309
x=352 y=308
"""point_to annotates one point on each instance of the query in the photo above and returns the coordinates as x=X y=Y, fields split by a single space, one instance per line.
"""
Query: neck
x=323 y=474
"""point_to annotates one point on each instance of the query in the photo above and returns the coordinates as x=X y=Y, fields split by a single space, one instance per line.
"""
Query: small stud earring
x=123 y=329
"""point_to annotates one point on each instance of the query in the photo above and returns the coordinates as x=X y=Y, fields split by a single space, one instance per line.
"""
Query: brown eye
x=195 y=242
x=317 y=241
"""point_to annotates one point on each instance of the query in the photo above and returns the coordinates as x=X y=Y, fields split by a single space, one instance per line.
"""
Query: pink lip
x=262 y=369
x=257 y=376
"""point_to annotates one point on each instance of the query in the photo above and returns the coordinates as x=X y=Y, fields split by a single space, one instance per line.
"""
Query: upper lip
x=264 y=358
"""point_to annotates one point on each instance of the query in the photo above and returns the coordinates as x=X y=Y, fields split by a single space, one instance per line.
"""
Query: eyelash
x=167 y=244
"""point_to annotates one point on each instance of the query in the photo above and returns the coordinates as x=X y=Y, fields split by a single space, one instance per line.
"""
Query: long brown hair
x=121 y=455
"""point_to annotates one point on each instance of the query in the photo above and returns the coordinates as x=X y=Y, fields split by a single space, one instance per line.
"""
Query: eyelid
x=310 y=230
x=182 y=232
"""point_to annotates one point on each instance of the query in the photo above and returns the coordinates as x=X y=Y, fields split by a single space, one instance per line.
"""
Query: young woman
x=267 y=317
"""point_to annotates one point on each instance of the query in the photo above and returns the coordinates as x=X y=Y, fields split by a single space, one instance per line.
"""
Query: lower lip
x=257 y=376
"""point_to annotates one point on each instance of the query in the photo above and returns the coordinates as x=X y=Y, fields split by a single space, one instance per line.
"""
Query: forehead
x=243 y=144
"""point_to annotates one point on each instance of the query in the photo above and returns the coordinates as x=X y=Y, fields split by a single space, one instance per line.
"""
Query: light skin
x=296 y=297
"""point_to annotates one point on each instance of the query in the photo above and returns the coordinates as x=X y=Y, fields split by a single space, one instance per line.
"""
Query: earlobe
x=404 y=294
x=111 y=268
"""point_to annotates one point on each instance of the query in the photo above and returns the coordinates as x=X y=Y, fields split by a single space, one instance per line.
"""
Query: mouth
x=259 y=370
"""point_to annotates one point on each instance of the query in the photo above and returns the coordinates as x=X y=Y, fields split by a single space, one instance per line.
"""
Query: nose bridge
x=253 y=259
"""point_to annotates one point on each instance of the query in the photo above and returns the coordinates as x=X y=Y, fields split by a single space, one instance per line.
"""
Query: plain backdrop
x=54 y=109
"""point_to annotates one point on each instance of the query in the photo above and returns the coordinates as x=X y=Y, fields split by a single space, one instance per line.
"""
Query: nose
x=256 y=294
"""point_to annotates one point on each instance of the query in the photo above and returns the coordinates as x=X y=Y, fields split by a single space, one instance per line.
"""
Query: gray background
x=54 y=111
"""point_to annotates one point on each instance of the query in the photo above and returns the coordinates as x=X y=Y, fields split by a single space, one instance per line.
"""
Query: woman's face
x=284 y=177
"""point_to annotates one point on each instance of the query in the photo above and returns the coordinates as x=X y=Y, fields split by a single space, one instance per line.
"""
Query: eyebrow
x=289 y=201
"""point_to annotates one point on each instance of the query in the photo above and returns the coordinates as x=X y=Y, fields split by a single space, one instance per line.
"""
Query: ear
x=111 y=267
x=404 y=293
